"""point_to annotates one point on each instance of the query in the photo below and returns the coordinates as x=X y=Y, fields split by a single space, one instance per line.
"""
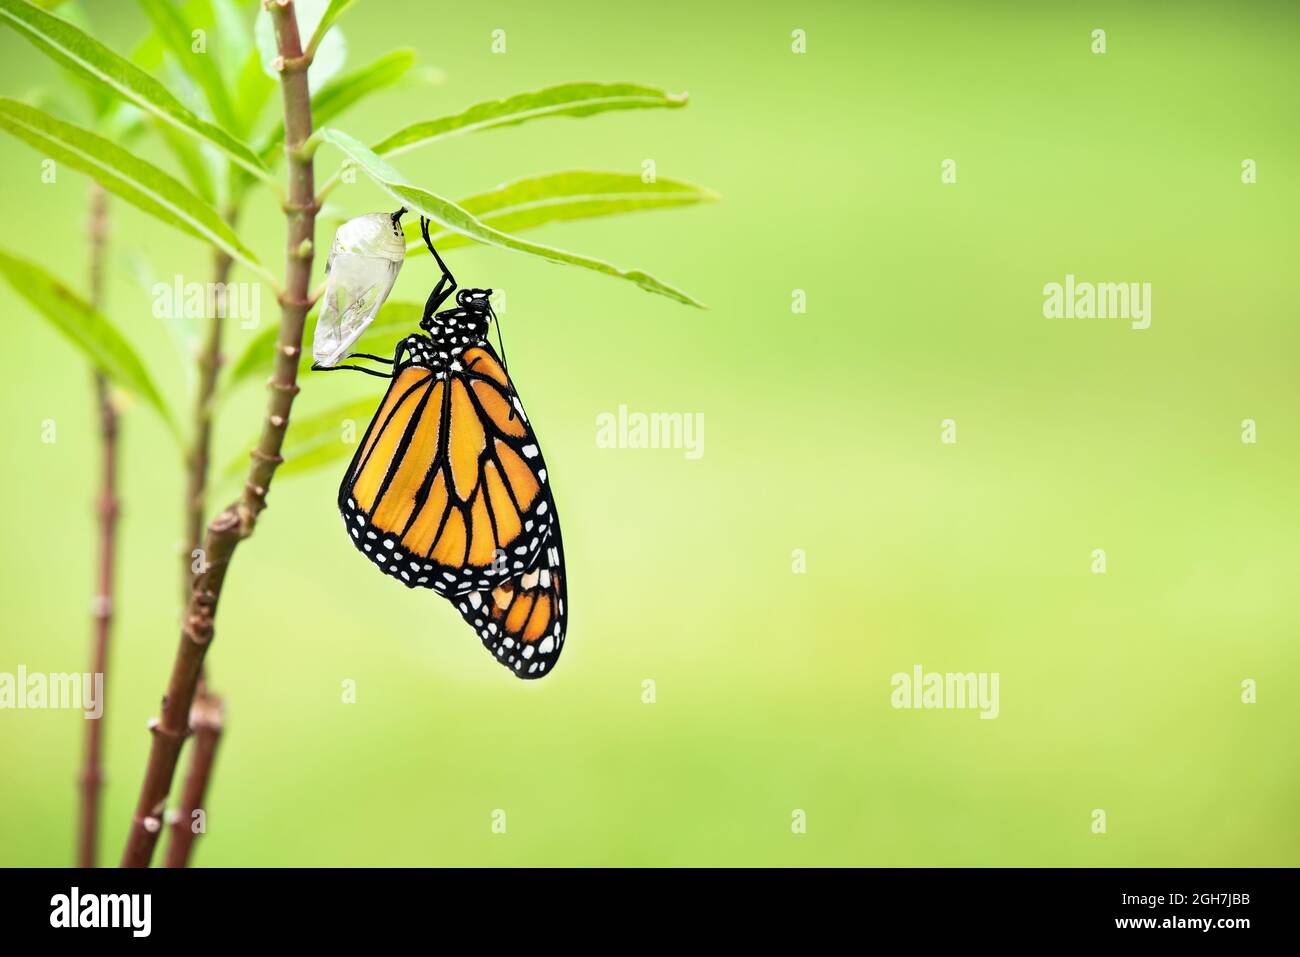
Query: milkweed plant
x=203 y=82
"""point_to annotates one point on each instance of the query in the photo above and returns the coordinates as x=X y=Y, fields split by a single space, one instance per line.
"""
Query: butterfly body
x=448 y=489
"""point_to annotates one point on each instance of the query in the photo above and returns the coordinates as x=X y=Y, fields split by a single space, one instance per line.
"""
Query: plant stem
x=237 y=521
x=92 y=775
x=209 y=363
x=207 y=713
x=206 y=720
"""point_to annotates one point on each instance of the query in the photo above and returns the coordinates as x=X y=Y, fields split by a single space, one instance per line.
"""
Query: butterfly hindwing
x=522 y=621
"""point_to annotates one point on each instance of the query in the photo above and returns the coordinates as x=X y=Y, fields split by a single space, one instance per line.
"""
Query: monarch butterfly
x=448 y=489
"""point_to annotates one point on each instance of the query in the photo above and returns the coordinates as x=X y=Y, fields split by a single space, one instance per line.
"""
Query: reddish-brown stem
x=206 y=715
x=106 y=507
x=237 y=521
x=209 y=363
x=206 y=719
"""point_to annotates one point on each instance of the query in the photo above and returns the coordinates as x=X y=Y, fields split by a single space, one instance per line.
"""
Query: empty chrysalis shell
x=363 y=264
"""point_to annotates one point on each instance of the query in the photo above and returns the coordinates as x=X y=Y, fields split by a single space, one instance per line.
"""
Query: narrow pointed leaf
x=235 y=38
x=395 y=319
x=568 y=99
x=124 y=123
x=97 y=98
x=96 y=337
x=556 y=197
x=253 y=90
x=335 y=10
x=327 y=57
x=515 y=206
x=190 y=158
x=345 y=91
x=257 y=356
x=316 y=440
x=176 y=33
x=459 y=220
x=89 y=58
x=138 y=182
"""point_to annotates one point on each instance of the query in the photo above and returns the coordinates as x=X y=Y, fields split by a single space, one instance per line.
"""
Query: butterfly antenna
x=504 y=364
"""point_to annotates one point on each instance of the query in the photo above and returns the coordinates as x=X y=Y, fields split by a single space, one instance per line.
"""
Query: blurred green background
x=822 y=433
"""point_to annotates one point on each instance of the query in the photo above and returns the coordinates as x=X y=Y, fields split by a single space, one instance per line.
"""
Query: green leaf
x=253 y=89
x=519 y=205
x=99 y=100
x=568 y=99
x=138 y=182
x=345 y=91
x=395 y=319
x=175 y=31
x=326 y=59
x=190 y=158
x=315 y=440
x=555 y=197
x=335 y=10
x=257 y=356
x=124 y=123
x=461 y=221
x=235 y=34
x=89 y=331
x=89 y=58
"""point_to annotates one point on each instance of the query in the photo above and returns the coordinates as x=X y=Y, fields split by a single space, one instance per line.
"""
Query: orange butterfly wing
x=523 y=620
x=448 y=490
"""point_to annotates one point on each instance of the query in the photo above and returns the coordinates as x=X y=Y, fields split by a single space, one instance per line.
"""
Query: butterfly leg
x=446 y=285
x=317 y=367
